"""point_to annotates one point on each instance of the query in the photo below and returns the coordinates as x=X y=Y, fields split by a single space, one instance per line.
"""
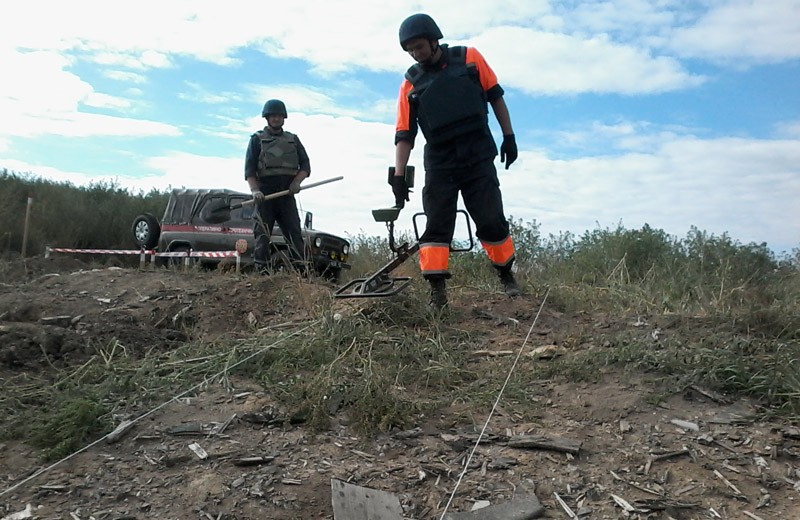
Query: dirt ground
x=604 y=450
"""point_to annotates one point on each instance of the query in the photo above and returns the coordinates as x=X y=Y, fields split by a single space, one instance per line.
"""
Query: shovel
x=219 y=214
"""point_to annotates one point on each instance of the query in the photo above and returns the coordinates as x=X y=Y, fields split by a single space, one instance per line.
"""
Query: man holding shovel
x=276 y=161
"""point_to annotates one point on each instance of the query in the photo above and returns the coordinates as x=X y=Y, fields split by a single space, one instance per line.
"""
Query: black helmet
x=274 y=106
x=418 y=25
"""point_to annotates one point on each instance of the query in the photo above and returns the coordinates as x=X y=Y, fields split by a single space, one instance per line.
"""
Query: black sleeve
x=405 y=135
x=302 y=156
x=251 y=157
x=496 y=92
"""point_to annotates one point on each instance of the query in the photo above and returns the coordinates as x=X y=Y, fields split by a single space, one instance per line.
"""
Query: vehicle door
x=216 y=235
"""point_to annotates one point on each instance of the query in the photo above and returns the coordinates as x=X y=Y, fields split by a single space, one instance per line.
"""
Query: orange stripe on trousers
x=433 y=259
x=501 y=253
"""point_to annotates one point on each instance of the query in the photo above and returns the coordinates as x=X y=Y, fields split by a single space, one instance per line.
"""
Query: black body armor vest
x=449 y=102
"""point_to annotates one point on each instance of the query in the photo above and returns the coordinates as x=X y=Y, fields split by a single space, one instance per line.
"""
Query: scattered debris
x=491 y=353
x=219 y=428
x=545 y=443
x=198 y=450
x=714 y=396
x=686 y=425
x=120 y=431
x=522 y=507
x=254 y=461
x=21 y=515
x=565 y=507
x=54 y=487
x=57 y=321
x=624 y=504
x=791 y=433
x=189 y=429
x=737 y=494
x=267 y=417
x=547 y=352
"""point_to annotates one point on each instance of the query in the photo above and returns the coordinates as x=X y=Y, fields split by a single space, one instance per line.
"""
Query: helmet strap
x=435 y=48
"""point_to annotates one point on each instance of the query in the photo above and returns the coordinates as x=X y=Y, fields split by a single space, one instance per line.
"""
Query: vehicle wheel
x=146 y=231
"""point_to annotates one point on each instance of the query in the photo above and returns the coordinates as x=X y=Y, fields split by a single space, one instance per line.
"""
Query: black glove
x=400 y=190
x=294 y=188
x=508 y=150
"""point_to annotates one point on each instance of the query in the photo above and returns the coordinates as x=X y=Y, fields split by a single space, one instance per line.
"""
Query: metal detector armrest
x=385 y=214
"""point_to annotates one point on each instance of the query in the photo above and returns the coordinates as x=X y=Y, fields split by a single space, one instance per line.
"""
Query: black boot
x=510 y=285
x=438 y=293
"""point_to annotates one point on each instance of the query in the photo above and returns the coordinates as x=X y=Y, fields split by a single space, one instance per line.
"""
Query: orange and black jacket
x=448 y=102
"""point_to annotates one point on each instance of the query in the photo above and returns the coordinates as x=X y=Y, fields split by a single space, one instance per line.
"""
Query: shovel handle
x=287 y=192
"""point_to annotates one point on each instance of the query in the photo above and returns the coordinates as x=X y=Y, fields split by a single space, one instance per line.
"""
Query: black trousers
x=282 y=210
x=480 y=189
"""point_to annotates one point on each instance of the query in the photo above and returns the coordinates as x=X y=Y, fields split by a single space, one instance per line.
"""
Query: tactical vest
x=278 y=154
x=450 y=102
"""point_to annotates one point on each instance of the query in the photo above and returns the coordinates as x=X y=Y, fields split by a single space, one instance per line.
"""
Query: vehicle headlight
x=345 y=249
x=318 y=242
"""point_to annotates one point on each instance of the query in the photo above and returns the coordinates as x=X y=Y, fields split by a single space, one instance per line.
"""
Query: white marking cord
x=494 y=407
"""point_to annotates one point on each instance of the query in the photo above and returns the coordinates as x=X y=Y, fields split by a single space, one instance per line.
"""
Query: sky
x=671 y=113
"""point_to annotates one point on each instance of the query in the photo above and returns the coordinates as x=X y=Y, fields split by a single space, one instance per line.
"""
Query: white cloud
x=540 y=47
x=80 y=124
x=125 y=76
x=137 y=60
x=99 y=100
x=307 y=100
x=40 y=97
x=738 y=186
x=790 y=129
x=759 y=32
x=544 y=63
x=196 y=92
x=629 y=19
x=36 y=82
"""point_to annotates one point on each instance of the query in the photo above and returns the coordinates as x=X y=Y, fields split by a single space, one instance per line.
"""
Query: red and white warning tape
x=198 y=254
x=149 y=252
x=102 y=251
x=144 y=253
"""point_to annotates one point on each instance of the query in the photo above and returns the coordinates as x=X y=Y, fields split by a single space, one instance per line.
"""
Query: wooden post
x=25 y=231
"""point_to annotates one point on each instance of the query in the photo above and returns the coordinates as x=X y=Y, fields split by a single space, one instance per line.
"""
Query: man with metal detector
x=445 y=94
x=276 y=161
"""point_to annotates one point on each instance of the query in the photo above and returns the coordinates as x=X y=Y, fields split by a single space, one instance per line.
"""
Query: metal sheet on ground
x=351 y=502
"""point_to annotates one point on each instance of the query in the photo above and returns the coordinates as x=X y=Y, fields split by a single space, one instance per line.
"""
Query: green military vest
x=278 y=154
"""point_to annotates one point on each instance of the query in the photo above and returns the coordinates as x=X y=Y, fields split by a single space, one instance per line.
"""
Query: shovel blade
x=218 y=212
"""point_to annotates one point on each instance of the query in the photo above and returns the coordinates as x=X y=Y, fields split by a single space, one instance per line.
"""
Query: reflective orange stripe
x=485 y=72
x=500 y=253
x=403 y=123
x=433 y=258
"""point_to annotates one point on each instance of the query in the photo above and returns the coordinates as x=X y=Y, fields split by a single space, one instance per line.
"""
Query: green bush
x=97 y=216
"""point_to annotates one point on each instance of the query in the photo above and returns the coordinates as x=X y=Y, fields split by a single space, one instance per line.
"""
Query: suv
x=222 y=220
